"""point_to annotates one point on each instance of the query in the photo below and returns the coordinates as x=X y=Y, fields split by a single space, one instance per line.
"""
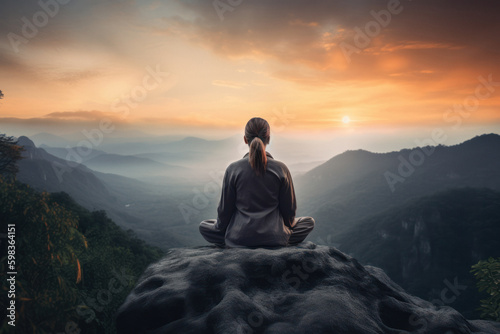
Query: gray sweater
x=256 y=210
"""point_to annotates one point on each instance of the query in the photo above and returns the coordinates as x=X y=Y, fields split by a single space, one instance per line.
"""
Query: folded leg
x=302 y=227
x=210 y=233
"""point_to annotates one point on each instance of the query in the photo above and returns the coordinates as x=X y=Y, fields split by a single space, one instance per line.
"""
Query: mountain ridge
x=353 y=185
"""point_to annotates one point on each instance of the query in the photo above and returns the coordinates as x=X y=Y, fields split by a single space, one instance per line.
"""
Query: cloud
x=15 y=66
x=439 y=36
x=79 y=115
x=77 y=76
x=412 y=45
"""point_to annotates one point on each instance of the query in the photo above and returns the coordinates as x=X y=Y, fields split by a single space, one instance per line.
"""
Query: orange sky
x=303 y=65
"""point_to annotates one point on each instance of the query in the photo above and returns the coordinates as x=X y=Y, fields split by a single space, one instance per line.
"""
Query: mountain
x=198 y=144
x=49 y=139
x=168 y=144
x=431 y=240
x=196 y=153
x=133 y=166
x=137 y=166
x=43 y=171
x=77 y=153
x=358 y=184
x=190 y=158
x=127 y=201
x=178 y=158
x=292 y=290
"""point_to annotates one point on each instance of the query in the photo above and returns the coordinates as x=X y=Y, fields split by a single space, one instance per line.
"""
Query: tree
x=10 y=153
x=1 y=95
x=77 y=267
x=487 y=274
x=49 y=270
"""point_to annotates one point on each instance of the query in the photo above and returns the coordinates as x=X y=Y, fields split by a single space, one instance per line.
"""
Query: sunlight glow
x=346 y=120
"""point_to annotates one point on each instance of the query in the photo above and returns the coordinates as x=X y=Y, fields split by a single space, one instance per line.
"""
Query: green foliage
x=10 y=154
x=487 y=274
x=74 y=267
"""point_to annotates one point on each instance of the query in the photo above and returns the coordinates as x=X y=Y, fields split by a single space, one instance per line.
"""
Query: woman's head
x=257 y=136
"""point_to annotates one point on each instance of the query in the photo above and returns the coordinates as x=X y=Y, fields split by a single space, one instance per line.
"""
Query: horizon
x=281 y=147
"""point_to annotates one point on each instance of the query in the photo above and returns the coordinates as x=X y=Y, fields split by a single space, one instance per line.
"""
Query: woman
x=257 y=205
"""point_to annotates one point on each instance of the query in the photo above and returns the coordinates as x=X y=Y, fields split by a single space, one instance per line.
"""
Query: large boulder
x=303 y=289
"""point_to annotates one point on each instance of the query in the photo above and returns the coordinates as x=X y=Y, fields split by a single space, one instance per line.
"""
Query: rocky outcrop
x=303 y=289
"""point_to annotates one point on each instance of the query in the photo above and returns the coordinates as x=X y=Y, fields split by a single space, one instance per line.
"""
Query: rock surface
x=303 y=289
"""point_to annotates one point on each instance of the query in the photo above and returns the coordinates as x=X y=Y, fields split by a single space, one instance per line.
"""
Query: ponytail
x=257 y=134
x=257 y=156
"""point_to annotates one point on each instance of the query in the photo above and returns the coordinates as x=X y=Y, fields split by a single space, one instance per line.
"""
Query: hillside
x=74 y=267
x=127 y=201
x=427 y=241
x=44 y=171
x=353 y=186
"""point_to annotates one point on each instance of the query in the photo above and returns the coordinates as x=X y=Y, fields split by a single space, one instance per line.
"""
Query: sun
x=346 y=120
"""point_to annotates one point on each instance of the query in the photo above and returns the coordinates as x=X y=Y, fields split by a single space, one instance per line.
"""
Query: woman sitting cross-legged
x=257 y=205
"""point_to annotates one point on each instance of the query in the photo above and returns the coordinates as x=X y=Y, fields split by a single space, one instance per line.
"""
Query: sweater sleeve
x=227 y=201
x=287 y=201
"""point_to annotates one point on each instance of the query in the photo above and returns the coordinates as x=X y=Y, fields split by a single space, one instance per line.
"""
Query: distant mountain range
x=125 y=165
x=132 y=166
x=145 y=160
x=353 y=185
x=198 y=155
x=72 y=153
x=121 y=197
x=49 y=139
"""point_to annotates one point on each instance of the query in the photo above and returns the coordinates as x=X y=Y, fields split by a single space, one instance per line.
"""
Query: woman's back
x=258 y=209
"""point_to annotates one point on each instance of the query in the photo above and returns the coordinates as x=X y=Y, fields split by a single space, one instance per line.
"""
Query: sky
x=366 y=71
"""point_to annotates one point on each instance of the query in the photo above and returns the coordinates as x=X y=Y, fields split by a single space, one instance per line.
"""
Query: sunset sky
x=315 y=67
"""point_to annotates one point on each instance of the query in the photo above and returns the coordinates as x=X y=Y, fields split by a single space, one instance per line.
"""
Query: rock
x=25 y=141
x=302 y=289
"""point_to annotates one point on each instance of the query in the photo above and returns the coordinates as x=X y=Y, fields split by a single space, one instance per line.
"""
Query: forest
x=74 y=267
